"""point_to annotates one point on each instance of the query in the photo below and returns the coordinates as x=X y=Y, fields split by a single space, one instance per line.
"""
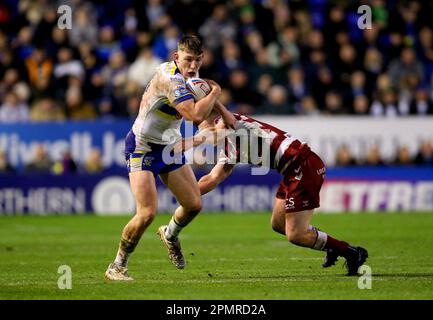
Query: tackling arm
x=228 y=117
x=217 y=175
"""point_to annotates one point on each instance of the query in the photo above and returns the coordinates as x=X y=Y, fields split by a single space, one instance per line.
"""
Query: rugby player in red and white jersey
x=303 y=173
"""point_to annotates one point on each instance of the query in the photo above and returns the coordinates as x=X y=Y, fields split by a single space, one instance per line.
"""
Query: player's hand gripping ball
x=198 y=87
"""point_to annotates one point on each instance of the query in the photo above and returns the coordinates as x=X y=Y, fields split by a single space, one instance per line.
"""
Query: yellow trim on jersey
x=165 y=115
x=173 y=69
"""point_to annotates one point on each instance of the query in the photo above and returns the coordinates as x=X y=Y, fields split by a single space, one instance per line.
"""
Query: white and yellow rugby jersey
x=158 y=120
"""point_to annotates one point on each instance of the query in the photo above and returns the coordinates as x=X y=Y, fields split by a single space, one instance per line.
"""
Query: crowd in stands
x=270 y=56
x=373 y=158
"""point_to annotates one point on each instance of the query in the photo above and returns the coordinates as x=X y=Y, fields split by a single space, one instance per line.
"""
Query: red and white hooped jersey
x=283 y=148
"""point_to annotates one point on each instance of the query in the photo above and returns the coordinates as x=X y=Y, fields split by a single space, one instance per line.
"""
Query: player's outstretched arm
x=228 y=117
x=217 y=175
x=199 y=111
x=208 y=136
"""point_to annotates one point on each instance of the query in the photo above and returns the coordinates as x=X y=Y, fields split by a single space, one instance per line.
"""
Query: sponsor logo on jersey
x=180 y=91
x=321 y=171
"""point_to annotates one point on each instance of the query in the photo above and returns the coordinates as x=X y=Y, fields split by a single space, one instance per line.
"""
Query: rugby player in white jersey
x=164 y=103
x=303 y=173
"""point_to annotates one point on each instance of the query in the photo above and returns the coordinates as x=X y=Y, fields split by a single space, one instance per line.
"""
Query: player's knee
x=146 y=214
x=194 y=207
x=276 y=226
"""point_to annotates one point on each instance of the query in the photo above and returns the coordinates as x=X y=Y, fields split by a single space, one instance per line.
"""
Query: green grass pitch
x=229 y=256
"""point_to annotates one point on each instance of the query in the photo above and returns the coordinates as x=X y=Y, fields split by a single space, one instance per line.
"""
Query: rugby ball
x=198 y=87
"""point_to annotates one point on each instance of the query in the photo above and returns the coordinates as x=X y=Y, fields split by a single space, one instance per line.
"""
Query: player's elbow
x=197 y=119
x=194 y=118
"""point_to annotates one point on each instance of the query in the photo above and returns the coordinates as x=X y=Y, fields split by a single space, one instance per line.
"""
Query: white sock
x=122 y=258
x=172 y=230
x=125 y=249
x=321 y=240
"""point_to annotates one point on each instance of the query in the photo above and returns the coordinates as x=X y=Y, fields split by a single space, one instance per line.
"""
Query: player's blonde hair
x=190 y=43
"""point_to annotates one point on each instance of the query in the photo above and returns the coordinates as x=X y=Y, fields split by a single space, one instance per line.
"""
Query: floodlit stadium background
x=362 y=98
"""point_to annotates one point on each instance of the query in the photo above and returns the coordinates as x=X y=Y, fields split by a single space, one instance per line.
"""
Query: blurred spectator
x=46 y=109
x=5 y=166
x=334 y=104
x=76 y=107
x=373 y=157
x=22 y=43
x=46 y=24
x=406 y=70
x=361 y=105
x=425 y=50
x=261 y=66
x=84 y=28
x=386 y=105
x=115 y=73
x=403 y=157
x=41 y=163
x=290 y=51
x=308 y=106
x=156 y=15
x=108 y=44
x=218 y=27
x=253 y=44
x=357 y=86
x=93 y=163
x=424 y=156
x=246 y=16
x=282 y=15
x=12 y=110
x=10 y=79
x=296 y=88
x=39 y=66
x=240 y=90
x=421 y=104
x=166 y=43
x=322 y=85
x=231 y=59
x=65 y=165
x=284 y=51
x=346 y=64
x=373 y=66
x=264 y=84
x=277 y=101
x=67 y=65
x=143 y=69
x=56 y=39
x=344 y=157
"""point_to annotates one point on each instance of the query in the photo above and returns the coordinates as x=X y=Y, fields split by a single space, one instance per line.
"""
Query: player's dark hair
x=190 y=43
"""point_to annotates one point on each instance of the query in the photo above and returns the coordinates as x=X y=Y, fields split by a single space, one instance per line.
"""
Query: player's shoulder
x=171 y=71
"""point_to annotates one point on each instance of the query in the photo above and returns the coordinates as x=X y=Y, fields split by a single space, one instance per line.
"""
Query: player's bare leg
x=183 y=184
x=144 y=190
x=299 y=232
